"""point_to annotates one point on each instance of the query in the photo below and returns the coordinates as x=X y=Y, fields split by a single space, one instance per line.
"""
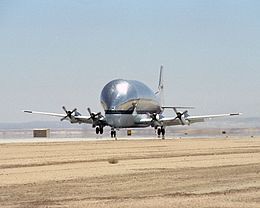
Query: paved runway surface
x=222 y=172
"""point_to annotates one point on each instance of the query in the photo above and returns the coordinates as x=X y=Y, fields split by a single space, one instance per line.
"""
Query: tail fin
x=160 y=92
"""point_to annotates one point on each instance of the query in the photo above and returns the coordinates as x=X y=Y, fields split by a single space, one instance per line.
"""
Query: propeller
x=155 y=118
x=68 y=113
x=179 y=115
x=94 y=116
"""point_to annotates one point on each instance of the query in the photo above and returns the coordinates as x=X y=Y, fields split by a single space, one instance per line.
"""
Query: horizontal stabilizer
x=177 y=107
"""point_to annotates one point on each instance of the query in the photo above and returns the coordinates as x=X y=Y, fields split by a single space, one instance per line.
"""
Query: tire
x=97 y=130
x=158 y=131
x=163 y=131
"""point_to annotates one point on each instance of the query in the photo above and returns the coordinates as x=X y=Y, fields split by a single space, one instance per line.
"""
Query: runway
x=221 y=172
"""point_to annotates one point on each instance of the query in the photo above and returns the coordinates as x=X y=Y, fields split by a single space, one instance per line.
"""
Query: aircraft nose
x=116 y=93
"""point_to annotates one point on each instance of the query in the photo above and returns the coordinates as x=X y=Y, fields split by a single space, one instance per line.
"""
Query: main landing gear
x=161 y=131
x=99 y=130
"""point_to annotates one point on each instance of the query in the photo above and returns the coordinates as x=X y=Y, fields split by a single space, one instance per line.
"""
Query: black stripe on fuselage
x=119 y=111
x=125 y=112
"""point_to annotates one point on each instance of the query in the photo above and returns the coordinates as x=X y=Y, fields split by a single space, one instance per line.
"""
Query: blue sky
x=56 y=53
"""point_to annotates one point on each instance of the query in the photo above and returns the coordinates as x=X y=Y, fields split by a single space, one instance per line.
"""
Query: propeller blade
x=184 y=112
x=63 y=107
x=74 y=110
x=62 y=119
x=89 y=111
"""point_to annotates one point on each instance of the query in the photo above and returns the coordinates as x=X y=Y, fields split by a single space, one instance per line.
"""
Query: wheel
x=159 y=131
x=163 y=131
x=97 y=130
x=101 y=130
x=113 y=134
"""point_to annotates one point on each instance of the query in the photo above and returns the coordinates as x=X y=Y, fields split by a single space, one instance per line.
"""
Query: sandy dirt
x=140 y=173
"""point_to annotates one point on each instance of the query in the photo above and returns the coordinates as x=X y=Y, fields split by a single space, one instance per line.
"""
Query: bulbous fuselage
x=119 y=98
x=120 y=95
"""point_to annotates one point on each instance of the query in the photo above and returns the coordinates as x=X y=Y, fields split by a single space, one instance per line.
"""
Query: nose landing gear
x=113 y=134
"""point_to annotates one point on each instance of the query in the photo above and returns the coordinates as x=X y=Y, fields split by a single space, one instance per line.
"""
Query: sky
x=55 y=53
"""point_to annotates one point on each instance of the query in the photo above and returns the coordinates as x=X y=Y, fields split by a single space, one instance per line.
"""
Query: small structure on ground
x=44 y=133
x=129 y=132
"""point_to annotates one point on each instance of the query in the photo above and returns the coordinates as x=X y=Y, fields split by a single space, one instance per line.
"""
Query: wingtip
x=236 y=114
x=27 y=111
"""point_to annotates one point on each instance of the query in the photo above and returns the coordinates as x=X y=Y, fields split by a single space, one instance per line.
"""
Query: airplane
x=132 y=104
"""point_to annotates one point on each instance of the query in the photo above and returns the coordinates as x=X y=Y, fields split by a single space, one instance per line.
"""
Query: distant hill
x=42 y=124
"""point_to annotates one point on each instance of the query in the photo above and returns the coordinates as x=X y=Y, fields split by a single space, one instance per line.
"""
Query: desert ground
x=221 y=172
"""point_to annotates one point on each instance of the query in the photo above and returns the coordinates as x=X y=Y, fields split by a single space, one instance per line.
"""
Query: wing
x=195 y=119
x=171 y=121
x=45 y=113
x=183 y=120
x=162 y=121
x=73 y=119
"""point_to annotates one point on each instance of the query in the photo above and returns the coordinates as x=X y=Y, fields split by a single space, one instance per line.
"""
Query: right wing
x=172 y=121
x=73 y=119
x=45 y=113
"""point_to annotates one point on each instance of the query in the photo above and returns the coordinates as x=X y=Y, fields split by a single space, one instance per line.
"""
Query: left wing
x=182 y=118
x=194 y=119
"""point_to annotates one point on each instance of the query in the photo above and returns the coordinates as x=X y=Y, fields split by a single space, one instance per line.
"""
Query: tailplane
x=160 y=92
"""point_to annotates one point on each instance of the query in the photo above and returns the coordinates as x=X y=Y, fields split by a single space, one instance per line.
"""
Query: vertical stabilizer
x=160 y=92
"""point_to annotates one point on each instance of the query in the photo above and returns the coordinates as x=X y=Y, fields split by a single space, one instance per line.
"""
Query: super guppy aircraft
x=132 y=104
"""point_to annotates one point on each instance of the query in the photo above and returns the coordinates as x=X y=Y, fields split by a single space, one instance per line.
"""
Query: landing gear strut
x=161 y=131
x=113 y=133
x=99 y=130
